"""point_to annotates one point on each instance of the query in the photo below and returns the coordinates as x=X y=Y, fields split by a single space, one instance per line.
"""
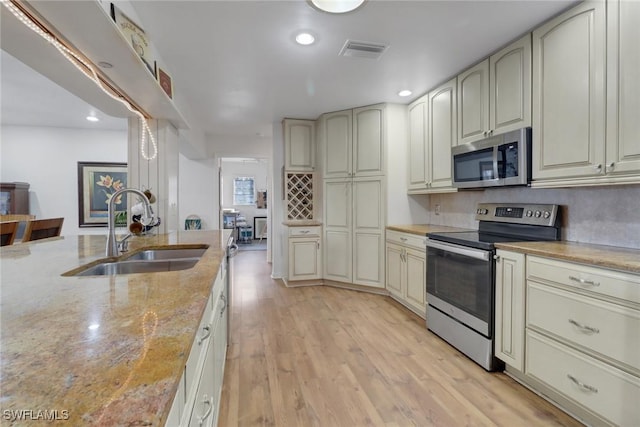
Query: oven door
x=460 y=283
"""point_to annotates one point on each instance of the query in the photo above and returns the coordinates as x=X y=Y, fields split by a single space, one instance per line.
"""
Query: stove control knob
x=529 y=213
x=547 y=214
x=538 y=214
x=484 y=211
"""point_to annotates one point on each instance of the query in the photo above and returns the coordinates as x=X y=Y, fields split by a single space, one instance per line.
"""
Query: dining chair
x=42 y=229
x=8 y=231
x=22 y=223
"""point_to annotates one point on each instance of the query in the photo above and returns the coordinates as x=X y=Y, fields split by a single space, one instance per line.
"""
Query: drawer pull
x=583 y=386
x=584 y=281
x=207 y=332
x=403 y=239
x=304 y=231
x=209 y=402
x=586 y=329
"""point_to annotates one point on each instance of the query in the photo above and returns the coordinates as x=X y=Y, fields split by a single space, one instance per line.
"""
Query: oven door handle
x=460 y=250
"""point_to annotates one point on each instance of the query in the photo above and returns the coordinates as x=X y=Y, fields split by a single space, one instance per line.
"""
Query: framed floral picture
x=96 y=184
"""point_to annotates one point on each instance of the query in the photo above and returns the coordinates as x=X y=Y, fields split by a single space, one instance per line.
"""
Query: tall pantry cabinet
x=353 y=147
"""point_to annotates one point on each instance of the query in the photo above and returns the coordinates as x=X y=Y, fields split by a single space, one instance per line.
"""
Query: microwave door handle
x=495 y=163
x=459 y=250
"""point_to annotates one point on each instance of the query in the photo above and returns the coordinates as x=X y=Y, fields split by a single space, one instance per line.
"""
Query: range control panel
x=519 y=213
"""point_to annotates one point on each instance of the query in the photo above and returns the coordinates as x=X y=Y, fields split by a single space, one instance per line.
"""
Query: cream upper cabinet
x=568 y=94
x=417 y=160
x=494 y=96
x=354 y=142
x=510 y=87
x=473 y=103
x=509 y=308
x=299 y=145
x=442 y=134
x=623 y=88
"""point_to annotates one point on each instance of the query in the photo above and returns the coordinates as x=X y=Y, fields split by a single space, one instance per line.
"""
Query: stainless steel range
x=461 y=273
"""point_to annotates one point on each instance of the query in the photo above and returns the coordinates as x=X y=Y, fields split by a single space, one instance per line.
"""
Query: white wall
x=47 y=157
x=198 y=194
x=597 y=215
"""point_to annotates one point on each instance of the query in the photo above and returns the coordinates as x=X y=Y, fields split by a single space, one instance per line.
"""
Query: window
x=243 y=191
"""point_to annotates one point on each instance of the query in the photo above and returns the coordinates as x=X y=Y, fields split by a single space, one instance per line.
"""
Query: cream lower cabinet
x=581 y=346
x=585 y=96
x=354 y=221
x=509 y=311
x=304 y=254
x=406 y=270
x=197 y=400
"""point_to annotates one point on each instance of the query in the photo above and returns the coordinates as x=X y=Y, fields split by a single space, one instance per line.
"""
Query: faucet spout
x=112 y=241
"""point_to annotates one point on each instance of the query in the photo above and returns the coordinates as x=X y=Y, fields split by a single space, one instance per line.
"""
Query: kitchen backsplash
x=598 y=215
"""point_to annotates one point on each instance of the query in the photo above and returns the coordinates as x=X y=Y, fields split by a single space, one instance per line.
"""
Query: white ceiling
x=237 y=66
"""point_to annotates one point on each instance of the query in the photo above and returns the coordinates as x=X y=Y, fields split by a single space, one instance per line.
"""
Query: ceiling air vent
x=363 y=49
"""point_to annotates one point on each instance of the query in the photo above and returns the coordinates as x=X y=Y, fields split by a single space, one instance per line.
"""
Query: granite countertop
x=106 y=350
x=624 y=259
x=423 y=229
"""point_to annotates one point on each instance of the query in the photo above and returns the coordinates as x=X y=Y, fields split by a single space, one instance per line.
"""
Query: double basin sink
x=170 y=258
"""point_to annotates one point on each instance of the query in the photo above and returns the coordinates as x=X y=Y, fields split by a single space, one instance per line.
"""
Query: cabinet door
x=568 y=94
x=368 y=141
x=205 y=404
x=416 y=267
x=442 y=133
x=304 y=259
x=473 y=103
x=395 y=269
x=337 y=230
x=510 y=314
x=368 y=231
x=299 y=145
x=623 y=88
x=338 y=136
x=510 y=87
x=417 y=161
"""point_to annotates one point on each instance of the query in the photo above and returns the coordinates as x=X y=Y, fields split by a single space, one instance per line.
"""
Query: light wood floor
x=321 y=356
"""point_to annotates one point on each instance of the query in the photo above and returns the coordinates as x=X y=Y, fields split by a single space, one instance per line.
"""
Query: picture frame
x=135 y=36
x=164 y=79
x=97 y=181
x=259 y=227
x=261 y=199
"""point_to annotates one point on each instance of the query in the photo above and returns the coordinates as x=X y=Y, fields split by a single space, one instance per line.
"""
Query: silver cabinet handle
x=496 y=258
x=304 y=231
x=598 y=167
x=611 y=165
x=224 y=307
x=207 y=333
x=403 y=239
x=318 y=243
x=582 y=385
x=586 y=329
x=209 y=402
x=584 y=281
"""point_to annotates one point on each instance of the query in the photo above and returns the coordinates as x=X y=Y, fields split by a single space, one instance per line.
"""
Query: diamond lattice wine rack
x=299 y=196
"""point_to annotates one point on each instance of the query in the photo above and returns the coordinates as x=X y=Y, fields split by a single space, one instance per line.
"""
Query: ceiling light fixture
x=336 y=6
x=404 y=93
x=93 y=119
x=87 y=69
x=305 y=39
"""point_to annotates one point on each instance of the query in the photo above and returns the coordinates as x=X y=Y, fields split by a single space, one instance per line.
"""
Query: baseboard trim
x=300 y=283
x=354 y=287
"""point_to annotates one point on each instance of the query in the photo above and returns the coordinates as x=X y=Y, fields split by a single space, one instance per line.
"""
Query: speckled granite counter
x=99 y=350
x=423 y=229
x=603 y=256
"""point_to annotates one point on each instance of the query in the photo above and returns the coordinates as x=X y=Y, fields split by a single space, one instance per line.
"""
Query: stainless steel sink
x=167 y=254
x=138 y=266
x=171 y=258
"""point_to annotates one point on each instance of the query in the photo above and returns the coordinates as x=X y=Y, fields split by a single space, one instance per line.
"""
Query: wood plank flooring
x=322 y=356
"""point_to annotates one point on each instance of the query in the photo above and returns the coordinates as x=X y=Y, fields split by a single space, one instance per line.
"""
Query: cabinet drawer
x=609 y=283
x=600 y=388
x=606 y=328
x=407 y=239
x=304 y=231
x=203 y=334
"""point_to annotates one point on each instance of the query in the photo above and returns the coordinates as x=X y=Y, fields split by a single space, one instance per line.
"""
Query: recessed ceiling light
x=93 y=119
x=305 y=39
x=404 y=93
x=336 y=6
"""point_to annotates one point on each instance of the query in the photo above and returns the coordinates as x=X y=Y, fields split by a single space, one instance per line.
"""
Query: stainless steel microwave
x=497 y=161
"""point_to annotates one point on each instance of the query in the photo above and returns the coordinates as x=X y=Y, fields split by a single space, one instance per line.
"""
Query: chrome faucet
x=112 y=241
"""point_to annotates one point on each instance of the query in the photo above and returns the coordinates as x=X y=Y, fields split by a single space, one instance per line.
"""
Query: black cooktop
x=473 y=239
